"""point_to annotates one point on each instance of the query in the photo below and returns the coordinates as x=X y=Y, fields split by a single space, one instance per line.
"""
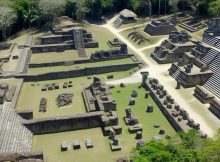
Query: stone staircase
x=79 y=42
x=213 y=84
x=215 y=64
x=14 y=137
x=210 y=40
x=78 y=39
x=176 y=74
x=117 y=23
x=209 y=56
x=218 y=45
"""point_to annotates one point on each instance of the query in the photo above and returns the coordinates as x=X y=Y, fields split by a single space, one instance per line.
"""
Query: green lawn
x=101 y=151
x=34 y=94
x=101 y=35
x=52 y=110
x=78 y=66
x=67 y=55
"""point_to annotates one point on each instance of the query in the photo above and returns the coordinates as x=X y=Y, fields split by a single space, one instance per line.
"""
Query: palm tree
x=174 y=3
x=32 y=16
x=81 y=9
x=149 y=4
x=159 y=8
x=165 y=7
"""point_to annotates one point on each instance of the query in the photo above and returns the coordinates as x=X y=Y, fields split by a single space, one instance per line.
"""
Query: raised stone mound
x=137 y=37
x=64 y=99
x=160 y=27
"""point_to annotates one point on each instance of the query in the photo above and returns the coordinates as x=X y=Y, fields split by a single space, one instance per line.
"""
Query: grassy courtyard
x=52 y=110
x=101 y=151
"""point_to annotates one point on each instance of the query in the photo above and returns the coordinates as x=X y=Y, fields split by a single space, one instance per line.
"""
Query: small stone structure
x=215 y=107
x=50 y=87
x=203 y=95
x=5 y=46
x=43 y=105
x=6 y=92
x=160 y=27
x=89 y=143
x=134 y=93
x=76 y=145
x=132 y=121
x=150 y=108
x=64 y=146
x=115 y=42
x=114 y=142
x=130 y=118
x=97 y=97
x=109 y=119
x=64 y=99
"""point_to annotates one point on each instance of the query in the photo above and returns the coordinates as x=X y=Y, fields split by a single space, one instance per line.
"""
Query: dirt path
x=199 y=112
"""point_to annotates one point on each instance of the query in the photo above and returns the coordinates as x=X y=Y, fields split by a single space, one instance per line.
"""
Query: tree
x=22 y=8
x=152 y=152
x=158 y=7
x=149 y=7
x=50 y=9
x=7 y=18
x=174 y=4
x=107 y=5
x=97 y=8
x=214 y=8
x=81 y=9
x=33 y=16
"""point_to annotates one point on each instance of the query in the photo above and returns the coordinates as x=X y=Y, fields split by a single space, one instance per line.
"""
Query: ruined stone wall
x=195 y=79
x=17 y=92
x=37 y=65
x=38 y=156
x=169 y=117
x=61 y=124
x=91 y=44
x=55 y=39
x=51 y=48
x=78 y=72
x=215 y=107
x=26 y=114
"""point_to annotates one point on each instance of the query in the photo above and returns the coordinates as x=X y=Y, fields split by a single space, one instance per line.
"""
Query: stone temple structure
x=125 y=16
x=173 y=48
x=159 y=27
x=64 y=38
x=97 y=97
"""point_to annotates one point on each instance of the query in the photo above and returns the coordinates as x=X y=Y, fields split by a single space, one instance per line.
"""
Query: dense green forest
x=18 y=14
x=189 y=148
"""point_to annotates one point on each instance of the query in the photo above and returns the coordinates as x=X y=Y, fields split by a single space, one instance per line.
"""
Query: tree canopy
x=187 y=147
x=39 y=12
